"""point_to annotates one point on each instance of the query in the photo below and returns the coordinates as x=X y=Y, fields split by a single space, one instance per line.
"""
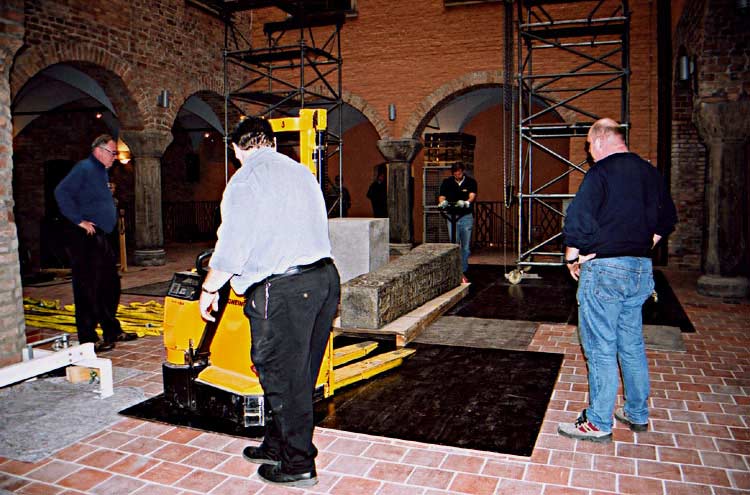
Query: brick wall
x=714 y=35
x=687 y=182
x=12 y=328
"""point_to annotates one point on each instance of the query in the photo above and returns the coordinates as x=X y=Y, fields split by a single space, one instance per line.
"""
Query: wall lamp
x=392 y=111
x=162 y=99
x=685 y=68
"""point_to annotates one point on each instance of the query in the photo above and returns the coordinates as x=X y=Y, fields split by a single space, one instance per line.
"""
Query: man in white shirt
x=273 y=246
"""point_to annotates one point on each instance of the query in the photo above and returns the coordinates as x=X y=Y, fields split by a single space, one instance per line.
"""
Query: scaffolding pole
x=573 y=55
x=299 y=67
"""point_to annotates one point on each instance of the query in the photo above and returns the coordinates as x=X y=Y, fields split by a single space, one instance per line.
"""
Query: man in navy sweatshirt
x=85 y=200
x=622 y=209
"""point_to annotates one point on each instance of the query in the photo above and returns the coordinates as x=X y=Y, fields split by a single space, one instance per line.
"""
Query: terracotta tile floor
x=699 y=442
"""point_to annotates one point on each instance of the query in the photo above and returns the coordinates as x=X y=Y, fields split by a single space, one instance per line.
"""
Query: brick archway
x=435 y=101
x=442 y=96
x=368 y=111
x=115 y=75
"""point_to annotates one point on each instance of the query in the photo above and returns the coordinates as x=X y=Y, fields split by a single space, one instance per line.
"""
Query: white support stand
x=45 y=361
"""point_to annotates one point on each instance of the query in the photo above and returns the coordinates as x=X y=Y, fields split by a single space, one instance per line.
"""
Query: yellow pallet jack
x=208 y=370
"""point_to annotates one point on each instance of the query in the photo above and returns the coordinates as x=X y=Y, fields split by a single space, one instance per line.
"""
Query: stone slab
x=377 y=298
x=658 y=338
x=409 y=326
x=359 y=245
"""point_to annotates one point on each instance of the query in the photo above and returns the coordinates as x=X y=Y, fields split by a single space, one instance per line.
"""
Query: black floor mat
x=159 y=410
x=484 y=399
x=548 y=294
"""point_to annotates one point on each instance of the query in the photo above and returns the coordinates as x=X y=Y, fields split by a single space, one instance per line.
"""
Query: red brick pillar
x=147 y=148
x=12 y=326
x=399 y=154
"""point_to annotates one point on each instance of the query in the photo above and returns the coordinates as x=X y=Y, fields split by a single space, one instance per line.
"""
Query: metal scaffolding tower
x=299 y=66
x=573 y=60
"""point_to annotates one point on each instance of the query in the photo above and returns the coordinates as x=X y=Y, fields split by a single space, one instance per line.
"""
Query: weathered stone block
x=377 y=298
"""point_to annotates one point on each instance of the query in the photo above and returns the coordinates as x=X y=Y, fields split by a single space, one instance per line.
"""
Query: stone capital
x=399 y=150
x=724 y=121
x=146 y=143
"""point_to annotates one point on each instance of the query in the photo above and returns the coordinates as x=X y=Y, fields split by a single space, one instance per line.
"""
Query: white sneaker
x=583 y=429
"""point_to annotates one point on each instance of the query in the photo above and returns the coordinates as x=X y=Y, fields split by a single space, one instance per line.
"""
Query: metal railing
x=190 y=220
x=497 y=226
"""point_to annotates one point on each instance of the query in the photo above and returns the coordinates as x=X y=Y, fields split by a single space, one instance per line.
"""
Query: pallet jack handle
x=203 y=351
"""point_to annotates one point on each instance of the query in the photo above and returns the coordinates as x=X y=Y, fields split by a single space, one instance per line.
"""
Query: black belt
x=297 y=269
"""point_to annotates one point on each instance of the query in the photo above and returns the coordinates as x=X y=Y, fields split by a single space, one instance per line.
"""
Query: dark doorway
x=52 y=238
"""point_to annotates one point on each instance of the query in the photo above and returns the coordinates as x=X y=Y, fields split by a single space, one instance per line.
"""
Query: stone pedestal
x=360 y=245
x=147 y=148
x=725 y=128
x=399 y=154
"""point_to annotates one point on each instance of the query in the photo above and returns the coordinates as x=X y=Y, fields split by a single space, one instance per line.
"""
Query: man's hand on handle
x=208 y=302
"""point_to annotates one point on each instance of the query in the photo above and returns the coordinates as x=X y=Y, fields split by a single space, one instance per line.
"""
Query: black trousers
x=290 y=320
x=96 y=284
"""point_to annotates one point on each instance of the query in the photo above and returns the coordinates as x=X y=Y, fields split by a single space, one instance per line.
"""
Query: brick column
x=725 y=128
x=147 y=148
x=12 y=326
x=399 y=154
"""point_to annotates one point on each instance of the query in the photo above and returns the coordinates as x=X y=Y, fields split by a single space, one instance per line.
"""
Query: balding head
x=605 y=138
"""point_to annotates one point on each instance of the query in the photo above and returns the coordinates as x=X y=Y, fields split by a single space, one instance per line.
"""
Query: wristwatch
x=212 y=292
x=571 y=262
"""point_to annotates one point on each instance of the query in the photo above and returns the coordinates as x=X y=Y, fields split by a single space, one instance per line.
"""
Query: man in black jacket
x=620 y=212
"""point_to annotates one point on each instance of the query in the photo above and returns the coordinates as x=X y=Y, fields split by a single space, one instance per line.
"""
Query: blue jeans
x=611 y=292
x=464 y=226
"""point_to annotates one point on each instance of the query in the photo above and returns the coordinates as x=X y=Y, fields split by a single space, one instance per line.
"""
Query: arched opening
x=360 y=159
x=193 y=168
x=478 y=112
x=56 y=115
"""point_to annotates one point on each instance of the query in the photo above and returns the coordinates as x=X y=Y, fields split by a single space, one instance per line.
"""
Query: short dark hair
x=457 y=166
x=100 y=140
x=252 y=132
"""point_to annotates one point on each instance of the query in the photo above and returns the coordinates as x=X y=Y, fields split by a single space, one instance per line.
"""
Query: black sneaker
x=274 y=475
x=102 y=346
x=125 y=337
x=622 y=418
x=259 y=455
